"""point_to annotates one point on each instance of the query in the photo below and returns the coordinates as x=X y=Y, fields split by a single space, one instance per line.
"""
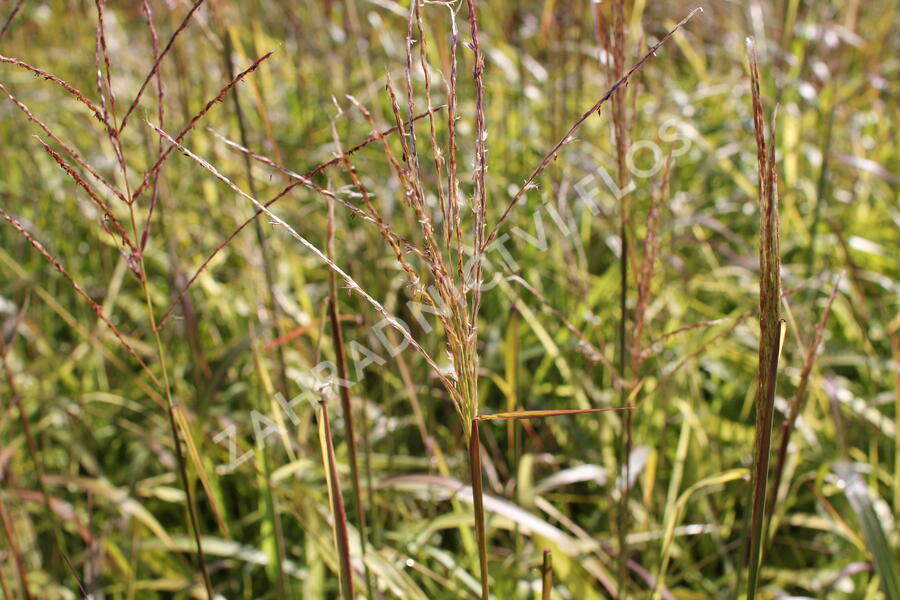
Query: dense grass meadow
x=449 y=299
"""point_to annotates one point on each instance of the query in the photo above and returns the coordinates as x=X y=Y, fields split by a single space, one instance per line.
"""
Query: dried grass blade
x=539 y=414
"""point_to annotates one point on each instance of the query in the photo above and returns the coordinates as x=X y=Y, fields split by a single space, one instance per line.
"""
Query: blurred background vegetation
x=110 y=509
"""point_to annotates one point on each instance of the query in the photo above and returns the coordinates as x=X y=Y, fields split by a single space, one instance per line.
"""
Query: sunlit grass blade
x=194 y=453
x=338 y=511
x=271 y=530
x=884 y=557
x=674 y=514
x=796 y=402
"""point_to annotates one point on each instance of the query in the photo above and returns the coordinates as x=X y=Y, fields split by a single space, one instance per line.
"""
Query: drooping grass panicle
x=446 y=295
x=460 y=296
x=398 y=245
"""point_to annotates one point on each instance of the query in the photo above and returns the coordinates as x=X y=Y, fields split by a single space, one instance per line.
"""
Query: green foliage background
x=102 y=428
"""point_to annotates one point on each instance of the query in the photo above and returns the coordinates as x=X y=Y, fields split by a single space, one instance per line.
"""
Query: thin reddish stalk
x=584 y=117
x=342 y=540
x=161 y=117
x=68 y=149
x=187 y=128
x=79 y=95
x=9 y=19
x=104 y=52
x=479 y=199
x=796 y=402
x=553 y=412
x=346 y=406
x=156 y=63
